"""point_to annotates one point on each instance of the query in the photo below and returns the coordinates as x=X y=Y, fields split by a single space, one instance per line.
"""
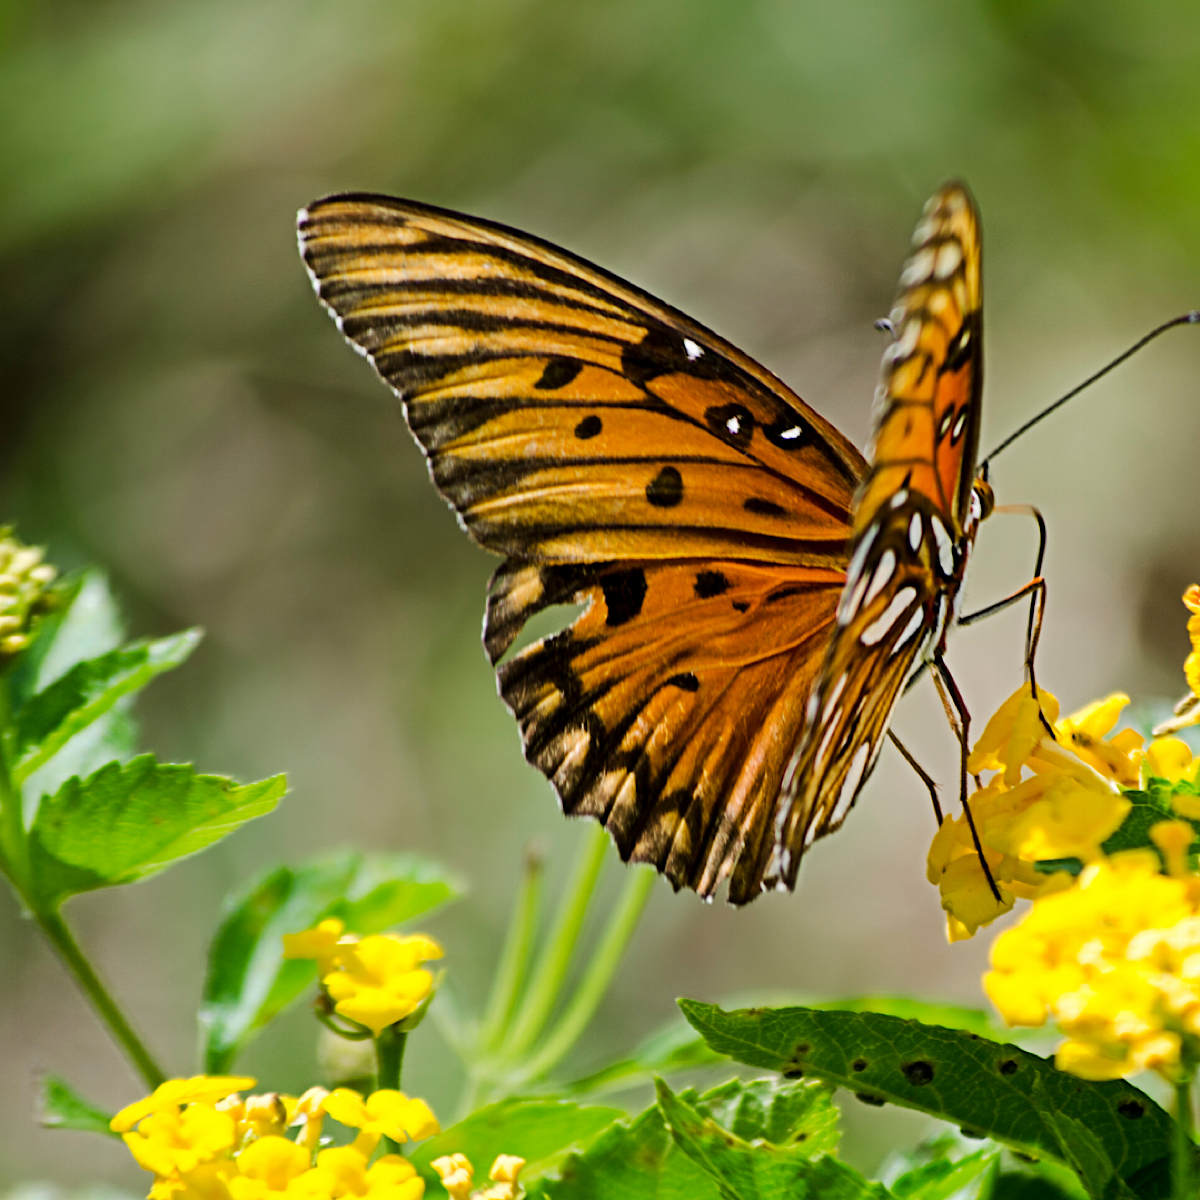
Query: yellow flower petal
x=1168 y=758
x=174 y=1092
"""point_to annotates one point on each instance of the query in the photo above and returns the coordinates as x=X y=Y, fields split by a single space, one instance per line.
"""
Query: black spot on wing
x=558 y=373
x=741 y=606
x=709 y=584
x=732 y=423
x=589 y=427
x=624 y=595
x=788 y=433
x=665 y=490
x=686 y=680
x=763 y=508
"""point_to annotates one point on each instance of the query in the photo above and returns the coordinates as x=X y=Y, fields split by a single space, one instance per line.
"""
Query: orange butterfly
x=757 y=593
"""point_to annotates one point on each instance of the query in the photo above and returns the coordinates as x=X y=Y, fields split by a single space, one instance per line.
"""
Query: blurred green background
x=174 y=405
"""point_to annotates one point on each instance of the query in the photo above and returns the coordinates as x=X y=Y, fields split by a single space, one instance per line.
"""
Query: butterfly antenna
x=1188 y=318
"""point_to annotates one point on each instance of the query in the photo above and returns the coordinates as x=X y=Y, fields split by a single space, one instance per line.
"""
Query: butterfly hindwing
x=622 y=457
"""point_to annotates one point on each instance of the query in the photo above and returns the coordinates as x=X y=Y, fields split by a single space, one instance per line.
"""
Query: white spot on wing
x=890 y=615
x=918 y=268
x=850 y=602
x=823 y=748
x=734 y=425
x=945 y=547
x=914 y=532
x=834 y=693
x=860 y=554
x=914 y=623
x=948 y=258
x=956 y=432
x=693 y=350
x=883 y=572
x=900 y=498
x=790 y=435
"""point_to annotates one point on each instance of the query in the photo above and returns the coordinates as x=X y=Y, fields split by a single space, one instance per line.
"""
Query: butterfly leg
x=1035 y=589
x=959 y=717
x=922 y=774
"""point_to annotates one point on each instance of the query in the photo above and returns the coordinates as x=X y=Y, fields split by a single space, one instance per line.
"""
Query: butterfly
x=756 y=593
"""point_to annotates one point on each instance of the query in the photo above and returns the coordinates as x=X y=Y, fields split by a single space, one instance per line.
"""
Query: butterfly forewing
x=621 y=456
x=913 y=525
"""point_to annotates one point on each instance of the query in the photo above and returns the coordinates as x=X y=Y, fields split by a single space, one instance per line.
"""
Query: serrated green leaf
x=61 y=1107
x=632 y=1160
x=976 y=1083
x=1087 y=1156
x=744 y=1170
x=86 y=692
x=248 y=983
x=130 y=820
x=785 y=1112
x=539 y=1131
x=942 y=1177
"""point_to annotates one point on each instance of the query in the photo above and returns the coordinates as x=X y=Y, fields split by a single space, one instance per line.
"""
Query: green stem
x=599 y=974
x=14 y=849
x=55 y=929
x=514 y=958
x=389 y=1064
x=555 y=959
x=1182 y=1184
x=389 y=1058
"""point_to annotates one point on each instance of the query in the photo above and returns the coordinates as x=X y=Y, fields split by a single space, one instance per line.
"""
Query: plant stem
x=389 y=1058
x=14 y=851
x=555 y=958
x=1182 y=1185
x=59 y=936
x=389 y=1064
x=514 y=958
x=599 y=974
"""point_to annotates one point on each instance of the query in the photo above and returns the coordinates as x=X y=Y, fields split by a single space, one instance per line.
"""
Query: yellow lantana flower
x=322 y=942
x=273 y=1166
x=378 y=981
x=1187 y=711
x=1049 y=798
x=385 y=1113
x=200 y=1089
x=456 y=1173
x=1114 y=959
x=344 y=1171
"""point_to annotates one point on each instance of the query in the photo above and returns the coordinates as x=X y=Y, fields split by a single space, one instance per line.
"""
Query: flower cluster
x=203 y=1141
x=1115 y=960
x=1056 y=790
x=375 y=981
x=456 y=1174
x=24 y=580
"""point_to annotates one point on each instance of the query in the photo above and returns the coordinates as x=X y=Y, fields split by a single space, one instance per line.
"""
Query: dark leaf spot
x=918 y=1073
x=972 y=1133
x=687 y=681
x=558 y=373
x=624 y=594
x=859 y=1064
x=710 y=584
x=1009 y=1066
x=794 y=1073
x=588 y=427
x=763 y=508
x=665 y=490
x=1132 y=1110
x=869 y=1098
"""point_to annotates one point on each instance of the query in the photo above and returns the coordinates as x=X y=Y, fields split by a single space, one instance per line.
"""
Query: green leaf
x=942 y=1176
x=744 y=1170
x=1087 y=1156
x=1149 y=807
x=539 y=1131
x=130 y=820
x=86 y=692
x=61 y=1107
x=632 y=1160
x=639 y=1158
x=676 y=1046
x=248 y=983
x=981 y=1085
